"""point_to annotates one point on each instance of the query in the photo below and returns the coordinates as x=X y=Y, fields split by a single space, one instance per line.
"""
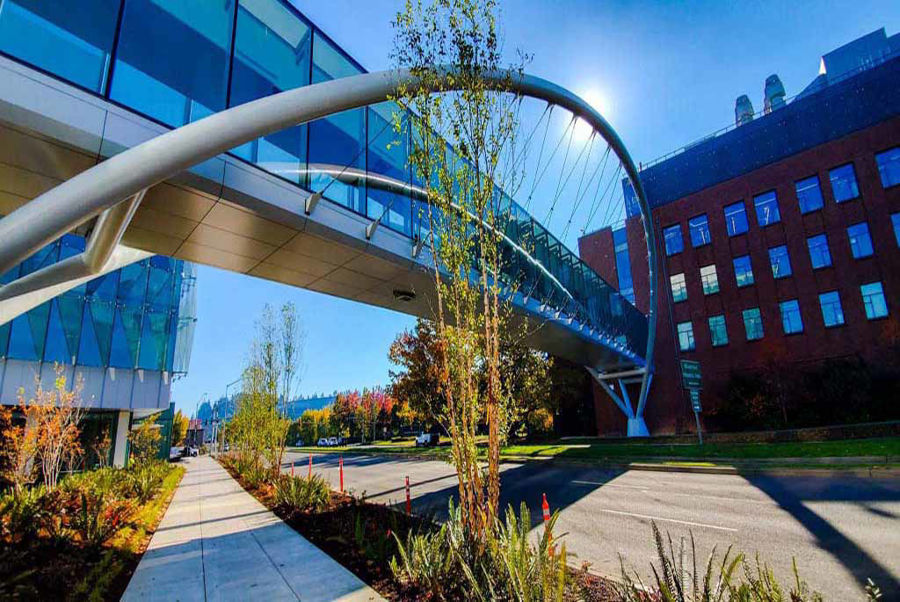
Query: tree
x=418 y=382
x=467 y=211
x=52 y=421
x=292 y=339
x=179 y=428
x=17 y=452
x=145 y=441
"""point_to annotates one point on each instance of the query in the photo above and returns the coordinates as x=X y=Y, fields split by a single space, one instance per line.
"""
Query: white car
x=333 y=442
x=427 y=439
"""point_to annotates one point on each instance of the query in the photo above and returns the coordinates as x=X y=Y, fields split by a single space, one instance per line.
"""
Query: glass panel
x=699 y=230
x=819 y=255
x=860 y=241
x=96 y=332
x=718 y=334
x=780 y=262
x=766 y=208
x=809 y=195
x=832 y=313
x=874 y=301
x=753 y=324
x=126 y=336
x=686 y=336
x=679 y=288
x=159 y=282
x=71 y=42
x=895 y=220
x=889 y=167
x=337 y=141
x=387 y=156
x=172 y=59
x=709 y=279
x=791 y=321
x=28 y=332
x=271 y=54
x=743 y=271
x=673 y=241
x=154 y=335
x=843 y=183
x=736 y=219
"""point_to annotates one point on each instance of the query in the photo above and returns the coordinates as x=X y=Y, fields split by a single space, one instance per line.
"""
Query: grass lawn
x=889 y=446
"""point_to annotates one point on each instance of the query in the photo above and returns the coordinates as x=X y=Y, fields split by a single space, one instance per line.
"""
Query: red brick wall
x=668 y=408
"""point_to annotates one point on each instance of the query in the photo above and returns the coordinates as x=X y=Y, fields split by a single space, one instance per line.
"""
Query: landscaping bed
x=360 y=535
x=84 y=540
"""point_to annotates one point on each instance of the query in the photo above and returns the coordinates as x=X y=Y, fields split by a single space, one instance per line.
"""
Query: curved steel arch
x=75 y=201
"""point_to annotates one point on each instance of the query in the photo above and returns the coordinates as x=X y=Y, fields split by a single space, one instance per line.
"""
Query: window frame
x=855 y=185
x=702 y=230
x=756 y=320
x=692 y=342
x=881 y=171
x=673 y=228
x=709 y=276
x=787 y=257
x=866 y=304
x=760 y=203
x=797 y=183
x=684 y=295
x=854 y=246
x=840 y=308
x=781 y=309
x=752 y=278
x=746 y=224
x=713 y=330
x=827 y=253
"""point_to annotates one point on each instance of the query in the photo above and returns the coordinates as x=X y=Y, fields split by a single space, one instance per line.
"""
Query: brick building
x=779 y=238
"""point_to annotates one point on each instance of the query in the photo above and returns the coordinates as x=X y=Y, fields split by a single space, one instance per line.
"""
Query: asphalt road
x=841 y=530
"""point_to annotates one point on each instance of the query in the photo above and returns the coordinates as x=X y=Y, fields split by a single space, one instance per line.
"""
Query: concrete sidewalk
x=217 y=542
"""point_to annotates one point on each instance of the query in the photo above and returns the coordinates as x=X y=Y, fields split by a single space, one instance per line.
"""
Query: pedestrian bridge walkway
x=217 y=542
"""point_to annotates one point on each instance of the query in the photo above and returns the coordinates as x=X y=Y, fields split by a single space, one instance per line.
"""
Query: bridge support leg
x=636 y=426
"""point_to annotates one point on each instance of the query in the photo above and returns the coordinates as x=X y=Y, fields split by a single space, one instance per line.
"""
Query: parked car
x=427 y=440
x=323 y=442
x=190 y=450
x=333 y=442
x=298 y=443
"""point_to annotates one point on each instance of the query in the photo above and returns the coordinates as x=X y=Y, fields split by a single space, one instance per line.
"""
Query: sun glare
x=596 y=99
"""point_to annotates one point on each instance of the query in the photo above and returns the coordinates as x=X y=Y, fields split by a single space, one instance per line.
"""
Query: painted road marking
x=610 y=485
x=700 y=495
x=669 y=520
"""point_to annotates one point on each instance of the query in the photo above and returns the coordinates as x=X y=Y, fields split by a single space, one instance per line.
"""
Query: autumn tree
x=145 y=440
x=52 y=427
x=452 y=49
x=179 y=428
x=416 y=380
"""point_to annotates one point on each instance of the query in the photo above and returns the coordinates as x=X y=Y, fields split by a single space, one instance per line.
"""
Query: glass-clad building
x=176 y=62
x=123 y=337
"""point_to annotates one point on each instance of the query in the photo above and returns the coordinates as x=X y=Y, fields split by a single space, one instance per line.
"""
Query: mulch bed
x=64 y=569
x=358 y=535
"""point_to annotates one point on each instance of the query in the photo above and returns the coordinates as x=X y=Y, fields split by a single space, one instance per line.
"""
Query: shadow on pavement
x=843 y=549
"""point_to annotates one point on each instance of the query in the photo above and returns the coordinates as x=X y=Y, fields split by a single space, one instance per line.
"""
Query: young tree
x=145 y=441
x=18 y=451
x=454 y=45
x=292 y=339
x=52 y=419
x=179 y=428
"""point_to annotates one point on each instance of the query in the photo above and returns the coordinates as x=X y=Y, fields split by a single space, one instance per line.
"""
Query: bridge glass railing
x=175 y=62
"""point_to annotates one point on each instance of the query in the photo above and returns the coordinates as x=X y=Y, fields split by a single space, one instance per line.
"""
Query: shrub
x=301 y=494
x=143 y=481
x=21 y=513
x=99 y=517
x=506 y=566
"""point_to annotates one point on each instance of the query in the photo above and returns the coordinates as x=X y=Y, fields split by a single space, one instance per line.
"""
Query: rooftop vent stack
x=743 y=110
x=774 y=94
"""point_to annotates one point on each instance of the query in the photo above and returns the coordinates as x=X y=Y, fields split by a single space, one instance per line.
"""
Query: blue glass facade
x=129 y=318
x=176 y=62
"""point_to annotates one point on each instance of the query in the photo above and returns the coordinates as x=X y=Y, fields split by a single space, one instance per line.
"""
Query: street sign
x=690 y=374
x=695 y=400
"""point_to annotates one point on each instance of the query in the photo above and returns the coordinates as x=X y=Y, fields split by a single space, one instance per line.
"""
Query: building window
x=743 y=271
x=753 y=324
x=679 y=288
x=672 y=238
x=889 y=166
x=686 y=336
x=874 y=301
x=860 y=241
x=172 y=59
x=699 y=230
x=809 y=195
x=72 y=43
x=832 y=313
x=843 y=183
x=780 y=262
x=623 y=264
x=766 y=208
x=791 y=320
x=717 y=331
x=736 y=219
x=895 y=219
x=818 y=251
x=709 y=279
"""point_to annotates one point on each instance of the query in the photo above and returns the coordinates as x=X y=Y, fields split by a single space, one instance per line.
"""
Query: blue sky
x=663 y=73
